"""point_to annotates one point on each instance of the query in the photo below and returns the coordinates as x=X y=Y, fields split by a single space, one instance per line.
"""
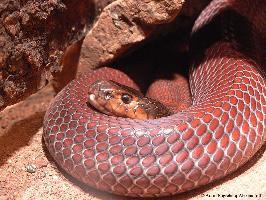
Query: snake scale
x=222 y=129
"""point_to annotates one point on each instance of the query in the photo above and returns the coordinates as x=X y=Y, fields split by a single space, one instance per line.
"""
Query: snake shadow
x=157 y=59
x=18 y=135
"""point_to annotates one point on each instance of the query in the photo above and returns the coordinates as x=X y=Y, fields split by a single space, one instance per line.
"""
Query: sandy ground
x=21 y=147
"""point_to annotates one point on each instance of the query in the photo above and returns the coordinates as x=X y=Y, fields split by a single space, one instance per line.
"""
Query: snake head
x=115 y=99
x=112 y=98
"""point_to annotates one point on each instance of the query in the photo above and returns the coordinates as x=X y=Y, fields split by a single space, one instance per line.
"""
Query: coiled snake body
x=219 y=132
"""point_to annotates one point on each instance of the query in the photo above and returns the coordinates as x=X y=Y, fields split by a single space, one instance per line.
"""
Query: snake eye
x=108 y=95
x=126 y=98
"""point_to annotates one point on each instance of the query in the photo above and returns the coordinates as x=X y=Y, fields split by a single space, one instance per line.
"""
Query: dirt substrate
x=21 y=147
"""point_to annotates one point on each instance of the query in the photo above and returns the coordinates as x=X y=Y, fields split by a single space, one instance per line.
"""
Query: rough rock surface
x=33 y=37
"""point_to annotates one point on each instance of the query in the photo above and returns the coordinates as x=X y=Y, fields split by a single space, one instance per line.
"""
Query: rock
x=122 y=25
x=33 y=38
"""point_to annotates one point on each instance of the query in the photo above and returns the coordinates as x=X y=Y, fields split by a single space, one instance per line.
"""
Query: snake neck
x=154 y=108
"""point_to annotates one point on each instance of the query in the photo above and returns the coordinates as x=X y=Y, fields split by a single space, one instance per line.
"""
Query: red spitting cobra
x=222 y=129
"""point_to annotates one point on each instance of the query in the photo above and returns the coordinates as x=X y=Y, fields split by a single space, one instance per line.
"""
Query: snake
x=224 y=126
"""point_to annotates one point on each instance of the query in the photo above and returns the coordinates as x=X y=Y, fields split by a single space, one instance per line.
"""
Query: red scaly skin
x=223 y=129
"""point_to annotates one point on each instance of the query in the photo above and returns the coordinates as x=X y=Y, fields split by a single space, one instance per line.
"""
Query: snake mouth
x=92 y=102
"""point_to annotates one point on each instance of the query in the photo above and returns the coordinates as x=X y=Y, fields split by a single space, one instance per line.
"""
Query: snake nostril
x=108 y=95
